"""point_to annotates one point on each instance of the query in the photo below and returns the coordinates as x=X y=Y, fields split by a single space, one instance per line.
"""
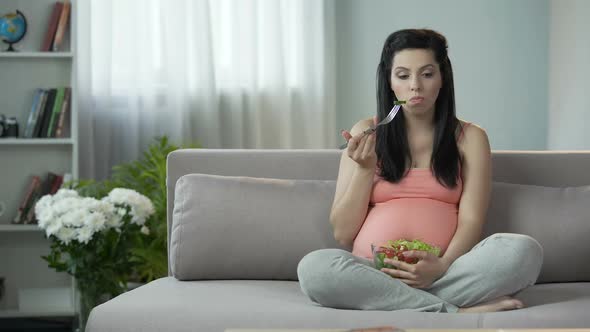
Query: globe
x=13 y=27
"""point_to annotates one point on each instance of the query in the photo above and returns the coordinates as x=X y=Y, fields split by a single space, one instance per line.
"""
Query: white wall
x=499 y=52
x=569 y=75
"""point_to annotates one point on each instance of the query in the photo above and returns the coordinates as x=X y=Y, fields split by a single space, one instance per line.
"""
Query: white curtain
x=223 y=73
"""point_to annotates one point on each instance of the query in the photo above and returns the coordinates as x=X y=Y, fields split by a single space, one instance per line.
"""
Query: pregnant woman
x=426 y=175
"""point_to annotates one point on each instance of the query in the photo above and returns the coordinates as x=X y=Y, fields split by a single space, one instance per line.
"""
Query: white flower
x=67 y=192
x=64 y=193
x=74 y=218
x=42 y=204
x=85 y=234
x=44 y=216
x=95 y=222
x=53 y=227
x=65 y=235
x=65 y=213
x=141 y=206
x=70 y=217
x=114 y=221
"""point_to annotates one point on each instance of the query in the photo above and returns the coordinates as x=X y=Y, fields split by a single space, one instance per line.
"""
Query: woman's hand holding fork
x=361 y=148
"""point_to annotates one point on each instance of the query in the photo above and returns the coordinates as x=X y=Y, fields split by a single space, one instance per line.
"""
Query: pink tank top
x=417 y=207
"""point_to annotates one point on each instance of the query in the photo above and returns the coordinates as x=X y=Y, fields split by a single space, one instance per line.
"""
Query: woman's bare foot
x=499 y=304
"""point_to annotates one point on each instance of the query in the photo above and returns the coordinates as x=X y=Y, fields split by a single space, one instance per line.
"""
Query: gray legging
x=502 y=264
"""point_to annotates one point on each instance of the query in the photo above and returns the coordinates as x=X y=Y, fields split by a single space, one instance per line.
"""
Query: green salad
x=395 y=249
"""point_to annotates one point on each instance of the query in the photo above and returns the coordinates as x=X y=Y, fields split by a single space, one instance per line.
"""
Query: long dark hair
x=392 y=147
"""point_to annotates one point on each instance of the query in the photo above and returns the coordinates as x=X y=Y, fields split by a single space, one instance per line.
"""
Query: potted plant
x=146 y=257
x=93 y=239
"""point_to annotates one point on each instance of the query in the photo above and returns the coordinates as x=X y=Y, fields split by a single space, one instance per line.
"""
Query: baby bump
x=425 y=219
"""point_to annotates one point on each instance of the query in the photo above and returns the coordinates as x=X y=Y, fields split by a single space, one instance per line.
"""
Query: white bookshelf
x=19 y=228
x=37 y=141
x=21 y=246
x=56 y=55
x=34 y=314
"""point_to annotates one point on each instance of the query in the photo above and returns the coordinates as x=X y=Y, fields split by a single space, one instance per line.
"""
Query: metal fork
x=372 y=128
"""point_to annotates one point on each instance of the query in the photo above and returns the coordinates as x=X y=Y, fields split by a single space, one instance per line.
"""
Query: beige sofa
x=240 y=220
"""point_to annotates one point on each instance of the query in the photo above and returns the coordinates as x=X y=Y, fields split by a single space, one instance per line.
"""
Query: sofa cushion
x=168 y=304
x=559 y=218
x=227 y=227
x=273 y=223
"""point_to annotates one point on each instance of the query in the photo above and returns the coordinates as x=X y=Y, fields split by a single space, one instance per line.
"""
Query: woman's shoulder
x=466 y=130
x=471 y=136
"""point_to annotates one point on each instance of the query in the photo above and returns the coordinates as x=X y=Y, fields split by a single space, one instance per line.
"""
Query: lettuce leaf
x=414 y=245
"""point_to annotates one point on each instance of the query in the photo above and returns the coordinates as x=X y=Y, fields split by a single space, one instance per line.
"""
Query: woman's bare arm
x=354 y=184
x=477 y=178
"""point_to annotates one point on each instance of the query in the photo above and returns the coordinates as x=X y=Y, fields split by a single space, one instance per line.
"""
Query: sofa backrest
x=540 y=169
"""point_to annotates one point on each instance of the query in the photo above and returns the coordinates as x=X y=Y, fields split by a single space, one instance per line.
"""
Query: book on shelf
x=59 y=99
x=42 y=119
x=49 y=114
x=52 y=28
x=57 y=26
x=64 y=19
x=21 y=212
x=29 y=217
x=60 y=130
x=38 y=118
x=35 y=190
x=56 y=184
x=37 y=98
x=48 y=183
